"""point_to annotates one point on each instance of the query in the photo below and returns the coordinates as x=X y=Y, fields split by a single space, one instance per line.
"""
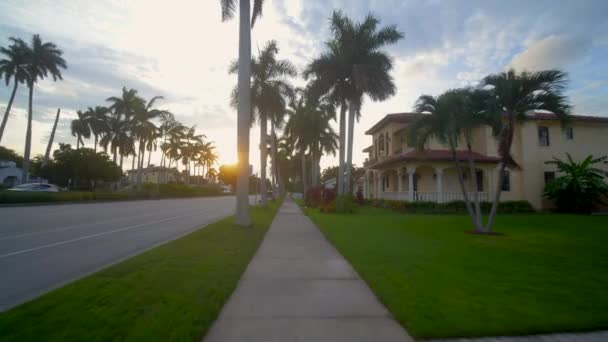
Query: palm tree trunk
x=95 y=146
x=304 y=174
x=149 y=156
x=121 y=157
x=78 y=141
x=8 y=109
x=506 y=148
x=140 y=161
x=47 y=154
x=475 y=184
x=28 y=138
x=263 y=152
x=273 y=146
x=133 y=162
x=244 y=107
x=465 y=195
x=341 y=153
x=349 y=152
x=313 y=177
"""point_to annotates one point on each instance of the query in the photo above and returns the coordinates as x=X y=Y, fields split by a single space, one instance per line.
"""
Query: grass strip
x=170 y=293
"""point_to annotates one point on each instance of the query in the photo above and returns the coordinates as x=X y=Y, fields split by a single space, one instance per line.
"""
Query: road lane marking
x=74 y=226
x=86 y=237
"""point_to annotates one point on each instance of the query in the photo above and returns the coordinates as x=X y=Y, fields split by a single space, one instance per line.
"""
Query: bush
x=508 y=207
x=346 y=204
x=313 y=197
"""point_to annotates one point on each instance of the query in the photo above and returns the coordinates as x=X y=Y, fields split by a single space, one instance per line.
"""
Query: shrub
x=313 y=197
x=508 y=207
x=346 y=204
x=360 y=199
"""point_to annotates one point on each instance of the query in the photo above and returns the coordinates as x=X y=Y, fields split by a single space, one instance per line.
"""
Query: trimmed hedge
x=507 y=207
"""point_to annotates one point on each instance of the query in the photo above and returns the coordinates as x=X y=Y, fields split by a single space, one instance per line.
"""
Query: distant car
x=36 y=187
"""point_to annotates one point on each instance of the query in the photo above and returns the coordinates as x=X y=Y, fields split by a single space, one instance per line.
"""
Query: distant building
x=10 y=174
x=395 y=170
x=155 y=174
x=330 y=183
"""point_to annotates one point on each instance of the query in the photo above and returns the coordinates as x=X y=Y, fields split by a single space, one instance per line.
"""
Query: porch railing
x=426 y=196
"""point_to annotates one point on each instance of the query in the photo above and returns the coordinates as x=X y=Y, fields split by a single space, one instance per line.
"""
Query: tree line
x=352 y=66
x=127 y=126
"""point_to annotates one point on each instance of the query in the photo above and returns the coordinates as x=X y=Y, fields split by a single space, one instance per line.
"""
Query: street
x=44 y=247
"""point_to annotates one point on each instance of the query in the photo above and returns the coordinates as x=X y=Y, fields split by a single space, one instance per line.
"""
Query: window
x=479 y=178
x=506 y=181
x=569 y=133
x=549 y=176
x=381 y=143
x=543 y=136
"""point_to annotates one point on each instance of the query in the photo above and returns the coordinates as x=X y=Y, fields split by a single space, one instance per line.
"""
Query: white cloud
x=554 y=51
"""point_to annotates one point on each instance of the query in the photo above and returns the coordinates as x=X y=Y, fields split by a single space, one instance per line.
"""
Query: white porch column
x=399 y=182
x=378 y=184
x=366 y=185
x=410 y=182
x=439 y=183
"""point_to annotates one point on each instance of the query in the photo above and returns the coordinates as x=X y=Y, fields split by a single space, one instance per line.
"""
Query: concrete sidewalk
x=299 y=288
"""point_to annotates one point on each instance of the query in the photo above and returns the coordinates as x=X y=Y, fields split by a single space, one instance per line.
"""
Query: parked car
x=36 y=187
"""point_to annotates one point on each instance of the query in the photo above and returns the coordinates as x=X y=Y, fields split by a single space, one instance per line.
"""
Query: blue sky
x=181 y=50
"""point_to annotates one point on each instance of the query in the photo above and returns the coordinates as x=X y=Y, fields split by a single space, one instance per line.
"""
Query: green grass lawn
x=170 y=293
x=548 y=273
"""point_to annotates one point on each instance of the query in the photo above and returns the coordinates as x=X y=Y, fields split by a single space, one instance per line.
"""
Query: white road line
x=2 y=256
x=41 y=232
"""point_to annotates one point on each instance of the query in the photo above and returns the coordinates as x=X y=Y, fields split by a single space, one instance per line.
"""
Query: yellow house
x=394 y=170
x=155 y=174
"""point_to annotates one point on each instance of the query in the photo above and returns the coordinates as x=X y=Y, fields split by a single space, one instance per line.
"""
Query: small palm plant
x=580 y=186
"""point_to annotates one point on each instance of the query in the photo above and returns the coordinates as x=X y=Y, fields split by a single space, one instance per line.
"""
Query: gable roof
x=395 y=117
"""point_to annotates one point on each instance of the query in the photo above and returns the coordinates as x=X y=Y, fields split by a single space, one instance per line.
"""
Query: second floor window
x=543 y=136
x=381 y=143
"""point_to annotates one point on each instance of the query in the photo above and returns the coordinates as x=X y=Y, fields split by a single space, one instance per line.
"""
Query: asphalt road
x=44 y=247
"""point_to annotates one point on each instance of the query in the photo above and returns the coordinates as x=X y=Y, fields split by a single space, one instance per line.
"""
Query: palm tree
x=41 y=59
x=80 y=128
x=449 y=117
x=188 y=150
x=124 y=109
x=12 y=66
x=228 y=8
x=212 y=174
x=513 y=95
x=355 y=66
x=310 y=124
x=267 y=96
x=580 y=185
x=98 y=122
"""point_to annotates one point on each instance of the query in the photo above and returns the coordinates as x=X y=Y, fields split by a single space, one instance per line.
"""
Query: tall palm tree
x=513 y=95
x=355 y=65
x=12 y=66
x=124 y=109
x=98 y=122
x=42 y=59
x=267 y=96
x=228 y=8
x=80 y=128
x=449 y=117
x=188 y=151
x=310 y=124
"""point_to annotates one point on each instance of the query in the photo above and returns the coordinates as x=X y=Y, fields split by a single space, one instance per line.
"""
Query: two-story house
x=397 y=171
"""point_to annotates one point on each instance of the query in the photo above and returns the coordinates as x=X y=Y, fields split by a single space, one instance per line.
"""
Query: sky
x=181 y=50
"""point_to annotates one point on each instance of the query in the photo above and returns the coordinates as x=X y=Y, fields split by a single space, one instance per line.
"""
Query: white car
x=36 y=187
